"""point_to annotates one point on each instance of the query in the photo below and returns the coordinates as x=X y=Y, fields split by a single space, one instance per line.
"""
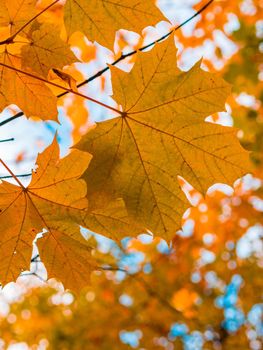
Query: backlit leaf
x=54 y=201
x=28 y=93
x=46 y=50
x=15 y=13
x=99 y=19
x=162 y=135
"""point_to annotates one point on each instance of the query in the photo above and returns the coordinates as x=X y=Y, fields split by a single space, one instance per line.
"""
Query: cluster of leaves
x=130 y=174
x=176 y=295
x=158 y=103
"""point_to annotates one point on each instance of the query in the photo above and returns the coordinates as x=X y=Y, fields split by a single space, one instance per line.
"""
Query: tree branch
x=10 y=176
x=122 y=57
x=33 y=273
x=7 y=140
x=61 y=87
x=35 y=258
x=17 y=115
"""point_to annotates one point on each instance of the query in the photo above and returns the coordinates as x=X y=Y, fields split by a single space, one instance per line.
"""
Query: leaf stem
x=61 y=87
x=12 y=174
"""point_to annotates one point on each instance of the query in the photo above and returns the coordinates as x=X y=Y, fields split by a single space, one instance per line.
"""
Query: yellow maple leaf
x=160 y=135
x=28 y=93
x=16 y=13
x=112 y=221
x=46 y=50
x=99 y=20
x=54 y=201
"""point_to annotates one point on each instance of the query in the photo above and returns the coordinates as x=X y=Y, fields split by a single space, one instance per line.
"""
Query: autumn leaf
x=160 y=135
x=16 y=13
x=64 y=77
x=46 y=50
x=28 y=93
x=99 y=20
x=112 y=221
x=54 y=201
x=67 y=256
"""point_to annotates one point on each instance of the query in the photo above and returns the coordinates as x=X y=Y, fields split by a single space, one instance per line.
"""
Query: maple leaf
x=46 y=50
x=54 y=201
x=99 y=20
x=16 y=13
x=112 y=221
x=28 y=93
x=160 y=135
x=67 y=256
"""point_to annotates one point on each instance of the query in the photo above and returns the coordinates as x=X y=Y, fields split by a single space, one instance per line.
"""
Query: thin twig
x=7 y=140
x=17 y=115
x=34 y=259
x=10 y=176
x=33 y=274
x=60 y=87
x=122 y=57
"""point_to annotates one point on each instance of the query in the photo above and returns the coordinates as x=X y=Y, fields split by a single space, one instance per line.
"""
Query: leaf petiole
x=13 y=175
